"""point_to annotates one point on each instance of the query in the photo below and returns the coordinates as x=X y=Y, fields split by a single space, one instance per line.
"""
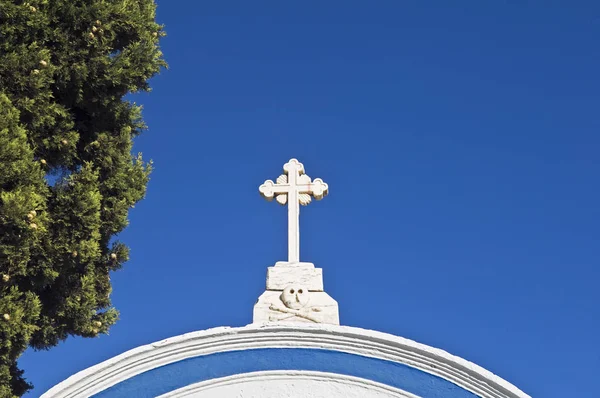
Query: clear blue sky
x=461 y=145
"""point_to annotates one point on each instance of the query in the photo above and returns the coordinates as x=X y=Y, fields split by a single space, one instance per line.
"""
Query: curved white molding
x=330 y=337
x=276 y=384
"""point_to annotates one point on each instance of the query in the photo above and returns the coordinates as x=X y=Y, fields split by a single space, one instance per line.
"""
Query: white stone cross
x=294 y=188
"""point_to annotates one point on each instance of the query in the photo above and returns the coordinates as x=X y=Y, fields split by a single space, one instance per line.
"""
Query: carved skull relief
x=294 y=297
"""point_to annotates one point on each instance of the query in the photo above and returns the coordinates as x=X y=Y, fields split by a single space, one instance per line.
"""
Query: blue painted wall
x=180 y=374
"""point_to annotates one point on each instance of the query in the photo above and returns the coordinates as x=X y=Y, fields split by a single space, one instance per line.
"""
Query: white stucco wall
x=283 y=384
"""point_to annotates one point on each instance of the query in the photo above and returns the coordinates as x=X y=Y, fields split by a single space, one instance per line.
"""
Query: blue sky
x=460 y=143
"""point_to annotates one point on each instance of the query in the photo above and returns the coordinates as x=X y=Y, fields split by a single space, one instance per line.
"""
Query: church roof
x=296 y=360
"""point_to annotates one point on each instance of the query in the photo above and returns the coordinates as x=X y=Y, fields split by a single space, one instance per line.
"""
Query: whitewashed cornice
x=346 y=339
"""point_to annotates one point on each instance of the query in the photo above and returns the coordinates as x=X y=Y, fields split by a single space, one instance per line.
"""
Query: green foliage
x=65 y=66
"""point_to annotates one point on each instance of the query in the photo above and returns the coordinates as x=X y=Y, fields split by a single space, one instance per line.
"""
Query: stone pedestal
x=295 y=294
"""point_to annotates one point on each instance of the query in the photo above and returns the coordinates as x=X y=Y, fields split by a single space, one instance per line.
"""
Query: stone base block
x=305 y=274
x=320 y=308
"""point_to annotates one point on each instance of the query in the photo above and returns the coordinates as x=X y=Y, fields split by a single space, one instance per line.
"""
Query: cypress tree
x=67 y=174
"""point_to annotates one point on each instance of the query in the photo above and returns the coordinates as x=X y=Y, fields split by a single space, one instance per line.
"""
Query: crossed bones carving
x=288 y=313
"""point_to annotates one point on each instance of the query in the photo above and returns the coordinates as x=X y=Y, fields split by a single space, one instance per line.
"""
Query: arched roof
x=285 y=360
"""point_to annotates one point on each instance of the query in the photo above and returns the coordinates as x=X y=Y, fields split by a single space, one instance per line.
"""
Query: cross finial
x=294 y=188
